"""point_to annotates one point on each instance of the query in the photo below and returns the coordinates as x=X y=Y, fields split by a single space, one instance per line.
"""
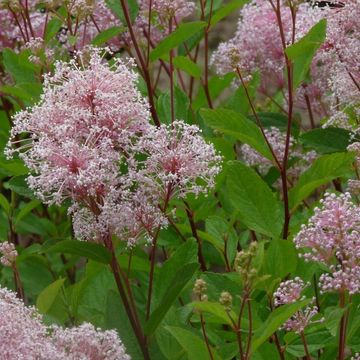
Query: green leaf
x=322 y=171
x=274 y=321
x=180 y=280
x=116 y=318
x=185 y=64
x=193 y=345
x=48 y=296
x=182 y=33
x=280 y=258
x=238 y=101
x=52 y=28
x=328 y=140
x=186 y=253
x=302 y=52
x=26 y=209
x=315 y=341
x=279 y=120
x=19 y=66
x=13 y=167
x=4 y=203
x=81 y=248
x=29 y=93
x=258 y=208
x=225 y=11
x=181 y=106
x=216 y=85
x=215 y=309
x=238 y=126
x=333 y=317
x=115 y=6
x=107 y=34
x=18 y=184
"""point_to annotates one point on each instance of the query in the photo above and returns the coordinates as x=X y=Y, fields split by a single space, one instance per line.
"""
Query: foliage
x=218 y=171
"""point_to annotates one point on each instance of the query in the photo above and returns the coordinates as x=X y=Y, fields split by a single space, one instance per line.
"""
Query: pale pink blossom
x=289 y=292
x=332 y=238
x=86 y=342
x=94 y=113
x=24 y=336
x=9 y=253
x=179 y=161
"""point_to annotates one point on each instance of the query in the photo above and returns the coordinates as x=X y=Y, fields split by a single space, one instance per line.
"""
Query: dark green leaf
x=81 y=248
x=18 y=184
x=326 y=140
x=182 y=33
x=193 y=345
x=180 y=280
x=258 y=208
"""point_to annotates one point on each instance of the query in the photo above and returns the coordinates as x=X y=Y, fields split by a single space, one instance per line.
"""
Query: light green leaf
x=115 y=6
x=13 y=167
x=215 y=309
x=107 y=34
x=52 y=28
x=19 y=65
x=116 y=318
x=258 y=208
x=280 y=258
x=226 y=10
x=4 y=203
x=322 y=171
x=238 y=126
x=185 y=64
x=193 y=345
x=182 y=33
x=274 y=321
x=48 y=296
x=302 y=52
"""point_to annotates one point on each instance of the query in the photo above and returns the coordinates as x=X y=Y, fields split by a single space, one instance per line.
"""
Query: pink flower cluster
x=332 y=238
x=24 y=336
x=257 y=44
x=289 y=292
x=277 y=141
x=9 y=253
x=162 y=11
x=26 y=21
x=334 y=89
x=90 y=140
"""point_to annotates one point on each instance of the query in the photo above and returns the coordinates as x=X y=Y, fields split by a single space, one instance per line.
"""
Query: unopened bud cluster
x=199 y=289
x=243 y=263
x=226 y=300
